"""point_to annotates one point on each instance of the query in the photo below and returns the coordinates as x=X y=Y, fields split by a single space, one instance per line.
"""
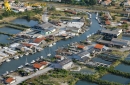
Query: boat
x=27 y=53
x=20 y=66
x=21 y=55
x=96 y=17
x=11 y=71
x=16 y=57
x=37 y=59
x=7 y=60
x=49 y=55
x=54 y=43
x=50 y=45
x=26 y=63
x=100 y=25
x=41 y=57
x=33 y=61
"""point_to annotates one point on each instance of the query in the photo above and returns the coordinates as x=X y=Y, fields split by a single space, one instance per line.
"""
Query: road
x=39 y=72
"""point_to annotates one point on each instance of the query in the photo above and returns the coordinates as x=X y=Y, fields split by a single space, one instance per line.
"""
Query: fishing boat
x=16 y=57
x=33 y=61
x=11 y=71
x=37 y=59
x=26 y=63
x=20 y=67
x=50 y=45
x=21 y=55
x=41 y=57
x=49 y=55
x=7 y=60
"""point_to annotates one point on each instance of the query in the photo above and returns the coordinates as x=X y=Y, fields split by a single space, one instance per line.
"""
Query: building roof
x=43 y=63
x=58 y=56
x=98 y=46
x=37 y=65
x=65 y=61
x=27 y=44
x=38 y=40
x=80 y=46
x=83 y=54
x=120 y=41
x=9 y=80
x=115 y=32
x=107 y=22
x=46 y=25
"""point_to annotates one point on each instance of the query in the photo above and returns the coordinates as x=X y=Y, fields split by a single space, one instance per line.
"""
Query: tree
x=16 y=1
x=1 y=17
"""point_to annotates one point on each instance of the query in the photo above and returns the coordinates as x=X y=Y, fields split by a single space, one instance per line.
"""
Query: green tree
x=92 y=2
x=1 y=17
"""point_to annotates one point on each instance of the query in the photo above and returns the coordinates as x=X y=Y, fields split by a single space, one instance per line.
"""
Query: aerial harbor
x=65 y=42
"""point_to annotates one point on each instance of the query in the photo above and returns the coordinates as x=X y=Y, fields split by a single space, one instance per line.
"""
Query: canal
x=9 y=30
x=13 y=64
x=80 y=82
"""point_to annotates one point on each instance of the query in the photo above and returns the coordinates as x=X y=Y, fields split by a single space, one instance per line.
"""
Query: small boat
x=41 y=57
x=26 y=64
x=100 y=25
x=54 y=43
x=21 y=56
x=16 y=57
x=20 y=66
x=37 y=59
x=27 y=53
x=7 y=72
x=49 y=55
x=96 y=17
x=50 y=45
x=11 y=71
x=33 y=61
x=7 y=60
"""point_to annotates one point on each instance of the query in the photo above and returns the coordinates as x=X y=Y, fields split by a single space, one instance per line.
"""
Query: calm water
x=25 y=22
x=123 y=67
x=4 y=39
x=101 y=60
x=115 y=78
x=84 y=83
x=15 y=63
x=128 y=57
x=126 y=38
x=9 y=30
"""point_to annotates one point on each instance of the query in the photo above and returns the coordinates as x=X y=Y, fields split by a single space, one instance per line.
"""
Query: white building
x=14 y=45
x=73 y=29
x=64 y=64
x=75 y=24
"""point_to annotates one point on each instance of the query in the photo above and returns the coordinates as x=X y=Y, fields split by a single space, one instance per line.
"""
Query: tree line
x=80 y=2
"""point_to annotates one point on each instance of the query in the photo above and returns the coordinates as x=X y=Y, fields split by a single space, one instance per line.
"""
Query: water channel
x=84 y=83
x=15 y=63
x=9 y=30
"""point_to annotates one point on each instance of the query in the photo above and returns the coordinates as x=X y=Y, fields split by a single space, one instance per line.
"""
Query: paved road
x=21 y=79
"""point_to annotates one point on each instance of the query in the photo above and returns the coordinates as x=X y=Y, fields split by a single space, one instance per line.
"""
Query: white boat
x=33 y=61
x=100 y=25
x=27 y=53
x=54 y=43
x=21 y=56
x=7 y=60
x=20 y=66
x=50 y=45
x=16 y=57
x=41 y=57
x=11 y=71
x=49 y=55
x=26 y=62
x=96 y=17
x=90 y=23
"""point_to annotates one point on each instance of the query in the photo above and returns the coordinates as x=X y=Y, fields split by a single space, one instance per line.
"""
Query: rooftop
x=75 y=24
x=80 y=46
x=9 y=80
x=38 y=40
x=65 y=61
x=98 y=46
x=27 y=44
x=83 y=53
x=43 y=63
x=37 y=65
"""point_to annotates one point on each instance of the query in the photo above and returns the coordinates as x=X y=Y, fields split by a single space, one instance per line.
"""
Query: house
x=81 y=55
x=106 y=2
x=28 y=45
x=44 y=63
x=99 y=46
x=10 y=80
x=81 y=47
x=114 y=33
x=73 y=29
x=38 y=66
x=127 y=3
x=107 y=22
x=49 y=30
x=40 y=40
x=4 y=55
x=44 y=26
x=120 y=42
x=14 y=45
x=64 y=64
x=59 y=57
x=75 y=24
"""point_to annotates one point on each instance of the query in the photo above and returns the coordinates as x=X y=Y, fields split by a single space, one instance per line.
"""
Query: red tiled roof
x=107 y=22
x=43 y=63
x=37 y=65
x=27 y=44
x=98 y=46
x=9 y=80
x=80 y=46
x=38 y=40
x=58 y=56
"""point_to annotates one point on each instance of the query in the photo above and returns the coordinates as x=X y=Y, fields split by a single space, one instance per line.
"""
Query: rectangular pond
x=4 y=39
x=123 y=67
x=101 y=60
x=115 y=78
x=9 y=30
x=80 y=82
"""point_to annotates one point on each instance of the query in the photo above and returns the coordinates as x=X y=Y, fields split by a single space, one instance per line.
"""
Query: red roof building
x=10 y=80
x=43 y=63
x=98 y=46
x=38 y=40
x=107 y=22
x=28 y=45
x=38 y=66
x=81 y=46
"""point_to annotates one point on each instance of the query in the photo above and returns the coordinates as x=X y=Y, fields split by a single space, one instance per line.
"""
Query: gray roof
x=65 y=61
x=120 y=41
x=72 y=28
x=46 y=25
x=109 y=31
x=83 y=53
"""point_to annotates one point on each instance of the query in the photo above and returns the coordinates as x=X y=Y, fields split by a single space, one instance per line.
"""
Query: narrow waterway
x=80 y=82
x=15 y=63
